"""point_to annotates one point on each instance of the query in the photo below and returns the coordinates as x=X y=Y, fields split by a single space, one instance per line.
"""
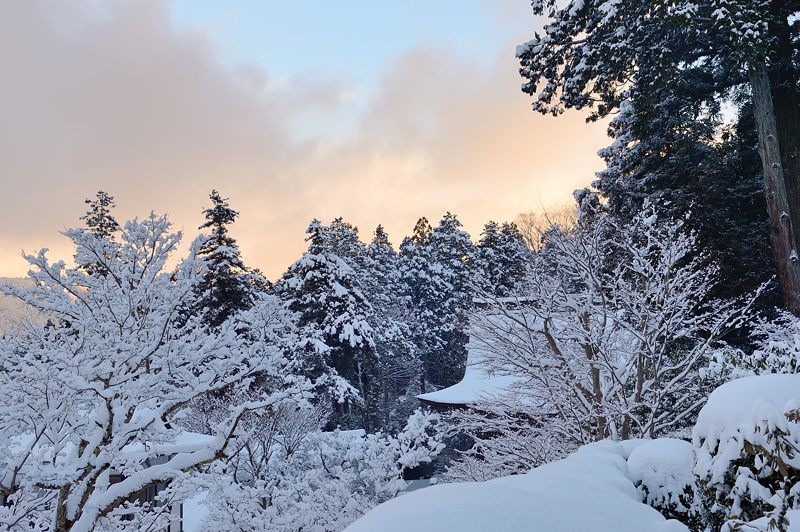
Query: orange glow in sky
x=115 y=96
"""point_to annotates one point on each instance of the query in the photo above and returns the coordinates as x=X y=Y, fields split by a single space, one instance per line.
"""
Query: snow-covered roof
x=588 y=490
x=476 y=386
x=480 y=382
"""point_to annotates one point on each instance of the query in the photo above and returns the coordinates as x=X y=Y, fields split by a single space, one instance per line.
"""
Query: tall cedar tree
x=388 y=371
x=436 y=269
x=501 y=257
x=682 y=160
x=398 y=365
x=226 y=287
x=595 y=52
x=333 y=319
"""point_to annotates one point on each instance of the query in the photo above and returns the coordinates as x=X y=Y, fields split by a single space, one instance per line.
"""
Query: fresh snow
x=762 y=525
x=664 y=468
x=195 y=512
x=476 y=386
x=737 y=408
x=746 y=402
x=589 y=490
x=740 y=420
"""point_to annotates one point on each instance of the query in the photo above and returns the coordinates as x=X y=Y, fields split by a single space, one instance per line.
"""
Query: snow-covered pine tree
x=414 y=272
x=98 y=219
x=227 y=286
x=501 y=256
x=398 y=364
x=421 y=233
x=486 y=267
x=101 y=223
x=592 y=51
x=333 y=320
x=436 y=274
x=341 y=239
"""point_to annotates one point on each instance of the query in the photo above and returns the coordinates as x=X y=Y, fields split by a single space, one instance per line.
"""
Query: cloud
x=108 y=95
x=440 y=135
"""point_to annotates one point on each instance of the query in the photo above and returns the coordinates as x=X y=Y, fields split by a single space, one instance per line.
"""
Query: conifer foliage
x=98 y=219
x=682 y=59
x=501 y=258
x=337 y=338
x=437 y=272
x=399 y=365
x=226 y=287
x=100 y=223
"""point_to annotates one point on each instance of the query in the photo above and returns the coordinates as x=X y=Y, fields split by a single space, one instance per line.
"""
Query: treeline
x=391 y=322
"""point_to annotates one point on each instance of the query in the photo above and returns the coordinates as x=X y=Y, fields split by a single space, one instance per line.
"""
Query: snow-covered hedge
x=589 y=490
x=747 y=445
x=662 y=470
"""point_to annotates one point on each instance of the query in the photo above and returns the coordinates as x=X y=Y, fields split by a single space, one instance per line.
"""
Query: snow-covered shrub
x=747 y=446
x=778 y=346
x=322 y=482
x=611 y=337
x=662 y=471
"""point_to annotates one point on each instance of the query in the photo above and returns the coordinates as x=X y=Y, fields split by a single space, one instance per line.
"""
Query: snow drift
x=589 y=490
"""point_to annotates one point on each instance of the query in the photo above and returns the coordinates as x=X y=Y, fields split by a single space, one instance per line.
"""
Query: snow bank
x=589 y=490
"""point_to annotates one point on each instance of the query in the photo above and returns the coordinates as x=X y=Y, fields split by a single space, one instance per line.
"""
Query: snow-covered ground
x=589 y=490
x=601 y=486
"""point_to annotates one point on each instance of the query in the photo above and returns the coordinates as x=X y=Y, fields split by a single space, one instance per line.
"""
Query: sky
x=377 y=111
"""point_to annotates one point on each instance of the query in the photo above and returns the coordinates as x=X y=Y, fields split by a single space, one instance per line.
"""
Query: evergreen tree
x=333 y=319
x=100 y=223
x=500 y=258
x=687 y=55
x=227 y=285
x=380 y=239
x=398 y=365
x=341 y=239
x=436 y=273
x=98 y=219
x=684 y=162
x=420 y=235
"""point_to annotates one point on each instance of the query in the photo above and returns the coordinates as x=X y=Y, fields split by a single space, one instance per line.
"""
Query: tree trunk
x=62 y=524
x=781 y=182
